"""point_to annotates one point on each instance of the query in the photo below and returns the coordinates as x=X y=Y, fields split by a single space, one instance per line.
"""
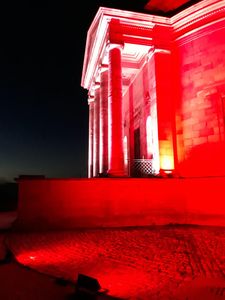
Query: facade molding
x=197 y=15
x=204 y=30
x=138 y=28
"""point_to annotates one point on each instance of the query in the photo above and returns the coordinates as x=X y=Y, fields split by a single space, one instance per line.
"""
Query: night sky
x=44 y=111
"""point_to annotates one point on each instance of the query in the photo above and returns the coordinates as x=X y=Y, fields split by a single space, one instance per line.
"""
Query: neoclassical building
x=156 y=92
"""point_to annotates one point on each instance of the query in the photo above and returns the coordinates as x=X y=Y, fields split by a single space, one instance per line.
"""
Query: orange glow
x=167 y=163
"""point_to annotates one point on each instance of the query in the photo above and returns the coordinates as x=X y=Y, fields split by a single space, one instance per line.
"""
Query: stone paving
x=164 y=262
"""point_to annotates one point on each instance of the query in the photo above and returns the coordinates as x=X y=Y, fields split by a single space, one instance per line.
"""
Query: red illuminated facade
x=156 y=89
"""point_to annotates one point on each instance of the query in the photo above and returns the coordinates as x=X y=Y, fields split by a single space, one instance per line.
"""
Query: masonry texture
x=145 y=263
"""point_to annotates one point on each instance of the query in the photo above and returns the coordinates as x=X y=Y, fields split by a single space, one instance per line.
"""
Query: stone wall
x=105 y=202
x=202 y=80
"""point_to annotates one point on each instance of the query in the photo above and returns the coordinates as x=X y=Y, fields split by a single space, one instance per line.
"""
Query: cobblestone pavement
x=148 y=263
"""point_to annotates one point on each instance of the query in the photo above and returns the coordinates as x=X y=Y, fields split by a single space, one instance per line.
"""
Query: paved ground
x=149 y=263
x=18 y=282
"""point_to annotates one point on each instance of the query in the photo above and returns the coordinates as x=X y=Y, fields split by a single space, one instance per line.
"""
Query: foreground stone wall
x=105 y=202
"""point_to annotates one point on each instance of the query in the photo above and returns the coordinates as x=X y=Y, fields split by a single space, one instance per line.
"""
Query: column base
x=116 y=173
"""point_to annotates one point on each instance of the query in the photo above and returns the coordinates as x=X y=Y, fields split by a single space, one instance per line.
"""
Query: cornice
x=196 y=17
x=130 y=21
x=138 y=28
x=197 y=33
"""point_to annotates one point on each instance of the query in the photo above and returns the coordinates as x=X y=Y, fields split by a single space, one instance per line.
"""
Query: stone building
x=156 y=92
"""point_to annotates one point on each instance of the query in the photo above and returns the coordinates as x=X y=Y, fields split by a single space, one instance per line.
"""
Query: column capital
x=162 y=50
x=110 y=46
x=91 y=99
x=94 y=86
x=150 y=53
x=102 y=68
x=155 y=50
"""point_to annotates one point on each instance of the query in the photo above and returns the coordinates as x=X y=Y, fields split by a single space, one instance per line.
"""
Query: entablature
x=139 y=33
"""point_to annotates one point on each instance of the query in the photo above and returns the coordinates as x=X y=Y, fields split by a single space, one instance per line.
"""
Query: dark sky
x=43 y=108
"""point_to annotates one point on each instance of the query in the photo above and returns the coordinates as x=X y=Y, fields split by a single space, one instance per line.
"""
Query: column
x=96 y=135
x=115 y=126
x=90 y=137
x=131 y=130
x=164 y=77
x=103 y=122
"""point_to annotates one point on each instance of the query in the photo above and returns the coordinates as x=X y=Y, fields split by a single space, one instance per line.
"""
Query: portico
x=120 y=51
x=135 y=73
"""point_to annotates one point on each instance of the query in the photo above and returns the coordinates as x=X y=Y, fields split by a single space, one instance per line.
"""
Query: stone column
x=164 y=78
x=115 y=126
x=96 y=135
x=90 y=138
x=103 y=122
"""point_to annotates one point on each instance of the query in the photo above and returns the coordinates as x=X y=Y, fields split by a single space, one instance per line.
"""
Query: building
x=156 y=89
x=156 y=92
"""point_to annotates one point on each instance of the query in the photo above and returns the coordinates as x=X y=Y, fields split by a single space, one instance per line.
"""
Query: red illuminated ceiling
x=166 y=5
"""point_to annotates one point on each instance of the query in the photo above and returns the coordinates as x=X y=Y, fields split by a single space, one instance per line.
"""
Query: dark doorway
x=137 y=152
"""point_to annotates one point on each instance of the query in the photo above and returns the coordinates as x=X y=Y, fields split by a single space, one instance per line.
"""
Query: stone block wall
x=105 y=202
x=202 y=117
